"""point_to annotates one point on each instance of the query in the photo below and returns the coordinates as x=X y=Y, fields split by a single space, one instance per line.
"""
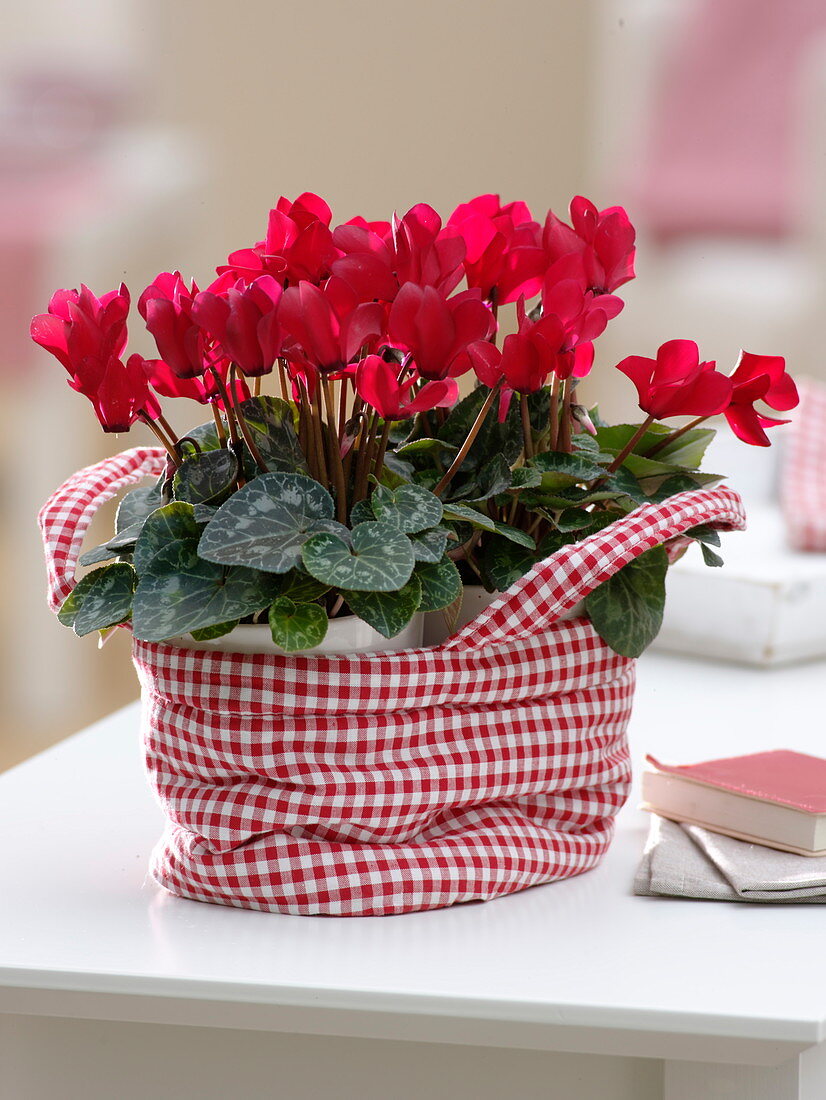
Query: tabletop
x=576 y=965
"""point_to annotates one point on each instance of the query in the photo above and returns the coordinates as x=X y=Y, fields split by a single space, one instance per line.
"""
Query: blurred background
x=138 y=136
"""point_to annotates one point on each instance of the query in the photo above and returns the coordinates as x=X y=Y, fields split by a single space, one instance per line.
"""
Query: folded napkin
x=803 y=482
x=689 y=862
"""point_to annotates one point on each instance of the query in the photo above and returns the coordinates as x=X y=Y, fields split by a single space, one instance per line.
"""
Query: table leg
x=801 y=1078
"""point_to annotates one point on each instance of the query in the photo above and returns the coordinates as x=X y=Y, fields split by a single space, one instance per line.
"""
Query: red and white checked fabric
x=387 y=783
x=803 y=482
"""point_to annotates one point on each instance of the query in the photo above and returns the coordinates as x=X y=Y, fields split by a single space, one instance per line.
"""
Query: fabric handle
x=66 y=515
x=553 y=586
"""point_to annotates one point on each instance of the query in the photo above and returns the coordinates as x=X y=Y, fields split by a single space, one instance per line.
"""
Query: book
x=777 y=799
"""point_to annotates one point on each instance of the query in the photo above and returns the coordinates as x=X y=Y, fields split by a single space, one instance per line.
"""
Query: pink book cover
x=781 y=776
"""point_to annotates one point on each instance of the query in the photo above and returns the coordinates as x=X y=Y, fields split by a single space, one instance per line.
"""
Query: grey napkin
x=687 y=861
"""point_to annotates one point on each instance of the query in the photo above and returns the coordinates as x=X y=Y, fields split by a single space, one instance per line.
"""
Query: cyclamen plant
x=363 y=483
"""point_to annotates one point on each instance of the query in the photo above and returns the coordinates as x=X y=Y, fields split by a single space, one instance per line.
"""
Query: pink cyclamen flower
x=759 y=378
x=503 y=248
x=377 y=383
x=436 y=329
x=603 y=238
x=676 y=383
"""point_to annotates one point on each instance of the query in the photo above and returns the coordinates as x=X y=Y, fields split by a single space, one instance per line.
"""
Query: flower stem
x=468 y=443
x=674 y=435
x=553 y=418
x=564 y=437
x=234 y=438
x=379 y=460
x=161 y=437
x=244 y=426
x=527 y=433
x=628 y=448
x=334 y=451
x=318 y=439
x=219 y=424
x=366 y=446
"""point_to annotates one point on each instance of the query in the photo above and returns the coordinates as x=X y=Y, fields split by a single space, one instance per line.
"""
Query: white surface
x=578 y=965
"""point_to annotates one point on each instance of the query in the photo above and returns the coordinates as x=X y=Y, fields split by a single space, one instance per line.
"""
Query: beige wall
x=374 y=105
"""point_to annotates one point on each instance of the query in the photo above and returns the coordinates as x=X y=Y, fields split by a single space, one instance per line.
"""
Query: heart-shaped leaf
x=211 y=632
x=441 y=584
x=361 y=512
x=101 y=599
x=430 y=545
x=559 y=470
x=408 y=507
x=272 y=425
x=387 y=612
x=265 y=524
x=297 y=626
x=479 y=519
x=137 y=505
x=627 y=609
x=206 y=478
x=201 y=595
x=168 y=534
x=504 y=562
x=300 y=587
x=380 y=560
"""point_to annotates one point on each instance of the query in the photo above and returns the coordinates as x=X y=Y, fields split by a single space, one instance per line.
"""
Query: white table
x=569 y=991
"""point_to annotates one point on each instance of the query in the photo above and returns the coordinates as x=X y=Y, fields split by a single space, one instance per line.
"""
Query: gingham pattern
x=803 y=485
x=386 y=783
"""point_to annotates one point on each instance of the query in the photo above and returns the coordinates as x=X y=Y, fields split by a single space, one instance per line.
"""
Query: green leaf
x=361 y=512
x=387 y=612
x=168 y=540
x=297 y=626
x=206 y=478
x=574 y=519
x=441 y=584
x=627 y=609
x=705 y=533
x=504 y=562
x=427 y=447
x=430 y=546
x=525 y=477
x=98 y=554
x=492 y=478
x=410 y=508
x=200 y=596
x=265 y=524
x=101 y=599
x=709 y=557
x=381 y=559
x=137 y=505
x=480 y=519
x=685 y=452
x=560 y=470
x=300 y=587
x=272 y=426
x=493 y=438
x=218 y=631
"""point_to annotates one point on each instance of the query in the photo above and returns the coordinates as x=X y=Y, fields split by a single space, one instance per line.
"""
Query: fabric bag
x=391 y=782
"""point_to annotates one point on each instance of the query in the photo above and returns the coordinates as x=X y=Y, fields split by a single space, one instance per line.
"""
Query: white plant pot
x=475 y=598
x=347 y=634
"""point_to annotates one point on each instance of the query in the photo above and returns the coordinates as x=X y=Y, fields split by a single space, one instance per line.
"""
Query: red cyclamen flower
x=83 y=332
x=298 y=244
x=759 y=378
x=204 y=390
x=329 y=326
x=88 y=335
x=676 y=383
x=377 y=383
x=167 y=307
x=436 y=329
x=244 y=321
x=603 y=238
x=503 y=248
